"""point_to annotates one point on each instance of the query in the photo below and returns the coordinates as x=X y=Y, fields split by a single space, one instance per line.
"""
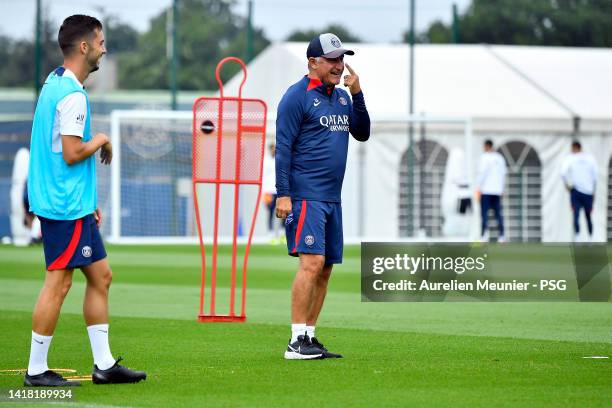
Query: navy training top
x=312 y=128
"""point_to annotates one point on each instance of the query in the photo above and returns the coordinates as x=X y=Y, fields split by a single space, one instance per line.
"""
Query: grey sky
x=372 y=20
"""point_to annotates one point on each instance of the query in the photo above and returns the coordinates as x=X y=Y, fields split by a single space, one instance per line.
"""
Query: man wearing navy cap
x=312 y=134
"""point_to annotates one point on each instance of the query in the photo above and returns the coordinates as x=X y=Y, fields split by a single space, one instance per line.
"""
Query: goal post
x=150 y=148
x=151 y=198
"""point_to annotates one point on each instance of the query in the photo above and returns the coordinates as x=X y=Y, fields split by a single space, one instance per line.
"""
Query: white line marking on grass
x=23 y=370
x=597 y=357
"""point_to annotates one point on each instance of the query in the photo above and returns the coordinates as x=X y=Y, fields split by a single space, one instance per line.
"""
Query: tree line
x=209 y=30
x=569 y=23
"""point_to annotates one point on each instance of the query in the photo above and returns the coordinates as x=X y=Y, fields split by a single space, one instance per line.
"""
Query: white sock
x=38 y=354
x=310 y=330
x=98 y=337
x=297 y=329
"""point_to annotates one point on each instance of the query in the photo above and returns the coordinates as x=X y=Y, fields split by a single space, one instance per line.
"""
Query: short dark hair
x=75 y=28
x=488 y=143
x=576 y=145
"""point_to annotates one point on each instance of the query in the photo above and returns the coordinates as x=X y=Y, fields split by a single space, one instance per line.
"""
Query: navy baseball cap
x=326 y=45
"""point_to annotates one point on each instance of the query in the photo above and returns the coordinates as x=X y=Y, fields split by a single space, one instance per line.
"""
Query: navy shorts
x=315 y=227
x=580 y=200
x=71 y=244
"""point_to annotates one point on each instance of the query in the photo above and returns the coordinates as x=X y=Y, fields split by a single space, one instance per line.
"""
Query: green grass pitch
x=396 y=354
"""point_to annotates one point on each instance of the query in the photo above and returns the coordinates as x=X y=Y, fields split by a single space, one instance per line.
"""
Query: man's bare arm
x=74 y=150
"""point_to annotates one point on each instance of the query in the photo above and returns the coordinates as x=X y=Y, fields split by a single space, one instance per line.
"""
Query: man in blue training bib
x=312 y=135
x=62 y=193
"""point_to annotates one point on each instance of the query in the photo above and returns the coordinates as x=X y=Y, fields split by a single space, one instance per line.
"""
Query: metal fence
x=420 y=189
x=522 y=202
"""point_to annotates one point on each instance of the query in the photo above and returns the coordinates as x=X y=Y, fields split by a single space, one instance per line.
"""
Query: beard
x=94 y=64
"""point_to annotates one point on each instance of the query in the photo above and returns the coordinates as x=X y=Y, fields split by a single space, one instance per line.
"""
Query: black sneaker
x=326 y=353
x=117 y=374
x=302 y=349
x=48 y=379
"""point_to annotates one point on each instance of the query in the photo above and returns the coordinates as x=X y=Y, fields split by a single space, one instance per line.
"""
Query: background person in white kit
x=579 y=174
x=269 y=193
x=490 y=187
x=30 y=220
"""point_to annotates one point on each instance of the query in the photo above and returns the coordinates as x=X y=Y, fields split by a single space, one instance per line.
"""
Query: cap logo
x=336 y=42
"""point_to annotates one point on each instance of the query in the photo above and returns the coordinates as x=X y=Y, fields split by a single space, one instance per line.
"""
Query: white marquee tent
x=525 y=99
